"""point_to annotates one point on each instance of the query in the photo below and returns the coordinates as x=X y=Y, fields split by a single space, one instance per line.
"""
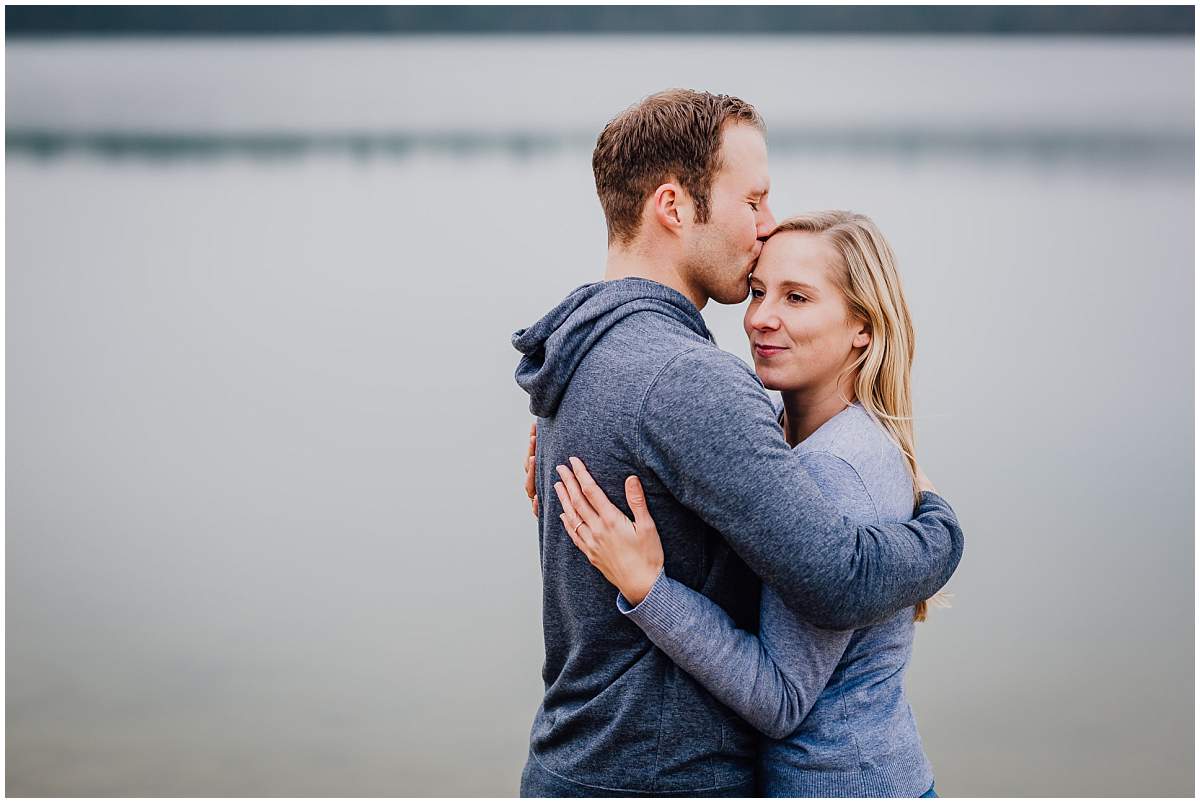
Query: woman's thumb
x=635 y=497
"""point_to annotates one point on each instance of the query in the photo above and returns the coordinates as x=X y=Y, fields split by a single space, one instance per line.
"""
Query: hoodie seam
x=646 y=396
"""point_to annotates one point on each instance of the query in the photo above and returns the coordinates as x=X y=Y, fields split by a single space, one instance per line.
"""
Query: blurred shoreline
x=1167 y=150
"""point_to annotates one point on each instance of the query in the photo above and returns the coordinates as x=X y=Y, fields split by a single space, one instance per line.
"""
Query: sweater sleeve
x=772 y=680
x=707 y=430
x=774 y=693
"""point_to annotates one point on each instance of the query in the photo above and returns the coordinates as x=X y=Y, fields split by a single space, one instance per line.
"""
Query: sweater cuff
x=930 y=498
x=661 y=611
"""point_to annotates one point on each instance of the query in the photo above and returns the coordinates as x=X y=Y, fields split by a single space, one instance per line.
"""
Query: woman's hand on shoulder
x=628 y=553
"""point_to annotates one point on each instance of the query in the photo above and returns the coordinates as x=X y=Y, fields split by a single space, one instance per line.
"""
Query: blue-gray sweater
x=831 y=701
x=624 y=374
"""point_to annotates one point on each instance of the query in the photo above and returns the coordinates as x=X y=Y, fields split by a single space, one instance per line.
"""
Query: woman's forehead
x=795 y=256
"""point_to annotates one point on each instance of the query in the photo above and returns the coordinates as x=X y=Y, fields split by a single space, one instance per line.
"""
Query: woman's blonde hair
x=868 y=279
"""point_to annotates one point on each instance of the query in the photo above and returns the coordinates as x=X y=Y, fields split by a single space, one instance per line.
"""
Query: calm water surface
x=265 y=531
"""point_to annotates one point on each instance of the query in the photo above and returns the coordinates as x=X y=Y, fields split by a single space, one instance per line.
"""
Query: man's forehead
x=744 y=139
x=744 y=151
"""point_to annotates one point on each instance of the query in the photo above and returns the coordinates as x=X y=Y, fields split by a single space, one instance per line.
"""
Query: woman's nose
x=764 y=318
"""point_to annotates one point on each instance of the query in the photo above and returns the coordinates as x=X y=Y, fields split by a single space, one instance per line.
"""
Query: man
x=624 y=374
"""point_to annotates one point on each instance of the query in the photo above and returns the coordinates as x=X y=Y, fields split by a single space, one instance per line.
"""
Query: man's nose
x=766 y=221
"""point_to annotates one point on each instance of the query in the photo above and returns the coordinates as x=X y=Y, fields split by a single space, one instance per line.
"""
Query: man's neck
x=641 y=263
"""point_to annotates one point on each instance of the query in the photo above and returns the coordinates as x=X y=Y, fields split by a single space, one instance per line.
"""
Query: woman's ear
x=862 y=338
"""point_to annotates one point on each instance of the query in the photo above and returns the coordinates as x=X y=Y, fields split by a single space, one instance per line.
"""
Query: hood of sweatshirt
x=554 y=346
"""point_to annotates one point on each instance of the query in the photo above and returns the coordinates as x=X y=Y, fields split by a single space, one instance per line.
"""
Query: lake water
x=265 y=532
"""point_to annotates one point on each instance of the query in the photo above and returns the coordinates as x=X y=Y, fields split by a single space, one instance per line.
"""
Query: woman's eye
x=753 y=205
x=756 y=293
x=796 y=298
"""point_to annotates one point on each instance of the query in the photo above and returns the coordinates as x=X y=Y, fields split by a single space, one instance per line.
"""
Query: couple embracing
x=729 y=586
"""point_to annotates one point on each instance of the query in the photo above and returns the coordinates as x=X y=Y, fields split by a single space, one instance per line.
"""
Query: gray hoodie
x=625 y=375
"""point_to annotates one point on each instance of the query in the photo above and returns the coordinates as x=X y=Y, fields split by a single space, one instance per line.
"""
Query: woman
x=829 y=327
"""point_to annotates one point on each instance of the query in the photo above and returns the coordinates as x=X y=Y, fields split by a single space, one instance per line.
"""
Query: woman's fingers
x=532 y=450
x=531 y=469
x=564 y=499
x=570 y=515
x=575 y=539
x=531 y=483
x=531 y=476
x=532 y=440
x=582 y=507
x=593 y=493
x=571 y=522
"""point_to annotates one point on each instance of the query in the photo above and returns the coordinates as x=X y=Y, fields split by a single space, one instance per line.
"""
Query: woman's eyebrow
x=792 y=285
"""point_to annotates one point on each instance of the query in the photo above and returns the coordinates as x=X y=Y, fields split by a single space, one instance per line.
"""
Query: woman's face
x=800 y=330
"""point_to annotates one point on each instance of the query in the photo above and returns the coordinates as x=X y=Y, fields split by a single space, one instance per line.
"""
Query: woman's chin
x=768 y=383
x=773 y=381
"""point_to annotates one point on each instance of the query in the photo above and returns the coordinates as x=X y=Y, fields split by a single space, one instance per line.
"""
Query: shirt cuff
x=661 y=611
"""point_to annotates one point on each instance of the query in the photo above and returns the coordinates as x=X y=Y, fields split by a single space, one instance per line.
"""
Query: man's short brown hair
x=671 y=134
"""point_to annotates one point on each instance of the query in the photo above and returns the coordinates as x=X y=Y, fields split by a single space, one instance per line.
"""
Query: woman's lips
x=767 y=351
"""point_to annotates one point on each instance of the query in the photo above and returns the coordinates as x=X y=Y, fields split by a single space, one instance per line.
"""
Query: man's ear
x=667 y=202
x=862 y=338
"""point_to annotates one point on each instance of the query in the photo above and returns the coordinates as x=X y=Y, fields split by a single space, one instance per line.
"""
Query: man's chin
x=733 y=295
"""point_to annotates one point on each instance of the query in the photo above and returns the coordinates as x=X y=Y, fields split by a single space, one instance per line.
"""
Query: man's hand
x=531 y=469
